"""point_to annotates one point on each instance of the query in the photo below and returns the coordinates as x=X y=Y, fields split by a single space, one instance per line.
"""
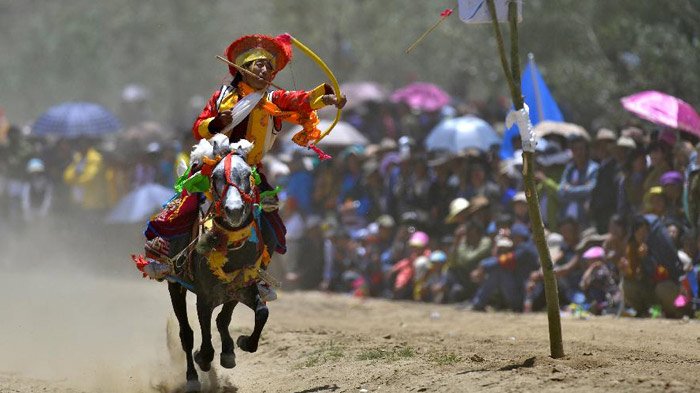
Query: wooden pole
x=513 y=77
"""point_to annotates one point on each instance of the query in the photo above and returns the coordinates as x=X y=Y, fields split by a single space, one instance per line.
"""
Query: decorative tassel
x=320 y=153
x=141 y=263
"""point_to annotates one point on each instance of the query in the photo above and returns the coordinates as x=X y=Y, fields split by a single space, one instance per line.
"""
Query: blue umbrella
x=73 y=119
x=462 y=133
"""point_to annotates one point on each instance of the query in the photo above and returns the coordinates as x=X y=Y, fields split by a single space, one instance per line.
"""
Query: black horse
x=235 y=194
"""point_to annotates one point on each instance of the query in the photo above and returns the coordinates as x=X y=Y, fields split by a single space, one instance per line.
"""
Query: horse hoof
x=204 y=366
x=243 y=343
x=228 y=360
x=193 y=386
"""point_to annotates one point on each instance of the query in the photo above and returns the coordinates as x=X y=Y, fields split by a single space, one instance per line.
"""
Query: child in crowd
x=597 y=282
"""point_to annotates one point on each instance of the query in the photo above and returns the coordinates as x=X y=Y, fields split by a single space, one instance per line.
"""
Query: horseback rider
x=247 y=108
x=232 y=111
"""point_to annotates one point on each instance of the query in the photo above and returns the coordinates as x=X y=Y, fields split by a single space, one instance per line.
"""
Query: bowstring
x=294 y=79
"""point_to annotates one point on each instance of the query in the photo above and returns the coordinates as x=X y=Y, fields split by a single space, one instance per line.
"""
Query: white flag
x=477 y=11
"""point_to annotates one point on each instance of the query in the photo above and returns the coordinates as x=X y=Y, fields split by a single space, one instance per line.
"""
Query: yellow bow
x=329 y=73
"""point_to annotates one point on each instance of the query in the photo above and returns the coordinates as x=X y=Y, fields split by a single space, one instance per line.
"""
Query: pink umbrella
x=360 y=92
x=422 y=96
x=664 y=110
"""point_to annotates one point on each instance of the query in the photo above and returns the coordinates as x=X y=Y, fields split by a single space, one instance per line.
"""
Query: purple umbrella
x=422 y=96
x=663 y=109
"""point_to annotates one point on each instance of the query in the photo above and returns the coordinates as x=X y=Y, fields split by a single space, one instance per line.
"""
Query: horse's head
x=234 y=188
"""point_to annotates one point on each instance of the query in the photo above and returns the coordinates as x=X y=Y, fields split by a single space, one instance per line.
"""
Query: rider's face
x=261 y=68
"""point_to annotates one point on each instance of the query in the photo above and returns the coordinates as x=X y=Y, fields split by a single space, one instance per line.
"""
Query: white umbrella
x=344 y=134
x=140 y=204
x=462 y=133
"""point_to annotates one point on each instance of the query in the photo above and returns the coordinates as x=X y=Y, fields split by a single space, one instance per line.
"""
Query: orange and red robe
x=264 y=121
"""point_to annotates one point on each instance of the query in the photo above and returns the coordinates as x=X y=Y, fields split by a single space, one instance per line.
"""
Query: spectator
x=597 y=282
x=631 y=190
x=520 y=209
x=300 y=181
x=85 y=176
x=353 y=201
x=402 y=273
x=37 y=192
x=651 y=268
x=577 y=182
x=552 y=161
x=604 y=195
x=441 y=192
x=506 y=272
x=616 y=242
x=471 y=245
x=479 y=184
x=672 y=183
x=660 y=163
x=566 y=268
x=655 y=202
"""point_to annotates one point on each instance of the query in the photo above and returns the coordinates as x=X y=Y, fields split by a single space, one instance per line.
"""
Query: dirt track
x=318 y=343
x=68 y=328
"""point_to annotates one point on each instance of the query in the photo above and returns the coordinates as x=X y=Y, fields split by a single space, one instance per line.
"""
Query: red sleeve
x=299 y=101
x=200 y=129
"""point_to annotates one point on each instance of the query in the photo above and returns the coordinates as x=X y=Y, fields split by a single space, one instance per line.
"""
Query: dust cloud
x=76 y=312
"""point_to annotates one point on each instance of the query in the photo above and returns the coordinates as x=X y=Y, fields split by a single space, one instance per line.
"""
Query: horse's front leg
x=227 y=356
x=250 y=343
x=177 y=297
x=205 y=355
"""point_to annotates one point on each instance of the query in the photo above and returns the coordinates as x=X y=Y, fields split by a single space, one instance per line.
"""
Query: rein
x=248 y=198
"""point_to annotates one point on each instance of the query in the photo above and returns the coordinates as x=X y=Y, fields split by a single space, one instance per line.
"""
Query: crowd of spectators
x=620 y=210
x=392 y=220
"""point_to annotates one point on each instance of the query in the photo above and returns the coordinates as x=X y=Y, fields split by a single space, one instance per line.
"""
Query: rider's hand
x=220 y=122
x=332 y=99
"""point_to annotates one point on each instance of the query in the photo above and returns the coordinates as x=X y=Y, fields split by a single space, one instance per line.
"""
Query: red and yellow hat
x=277 y=50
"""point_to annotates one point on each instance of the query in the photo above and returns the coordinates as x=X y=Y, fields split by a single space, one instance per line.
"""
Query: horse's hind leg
x=250 y=343
x=177 y=297
x=228 y=357
x=205 y=355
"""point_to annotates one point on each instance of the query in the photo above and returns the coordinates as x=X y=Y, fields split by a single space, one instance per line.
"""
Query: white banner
x=477 y=11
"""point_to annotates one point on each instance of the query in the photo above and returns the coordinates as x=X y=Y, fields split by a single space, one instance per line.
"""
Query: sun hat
x=594 y=253
x=605 y=134
x=626 y=142
x=555 y=244
x=438 y=257
x=419 y=239
x=35 y=165
x=457 y=206
x=519 y=197
x=503 y=242
x=386 y=221
x=478 y=203
x=671 y=177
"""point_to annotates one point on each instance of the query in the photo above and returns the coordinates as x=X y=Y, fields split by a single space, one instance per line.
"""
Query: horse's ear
x=201 y=150
x=221 y=145
x=242 y=148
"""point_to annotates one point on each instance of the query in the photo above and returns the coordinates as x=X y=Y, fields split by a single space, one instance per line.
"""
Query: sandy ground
x=93 y=325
